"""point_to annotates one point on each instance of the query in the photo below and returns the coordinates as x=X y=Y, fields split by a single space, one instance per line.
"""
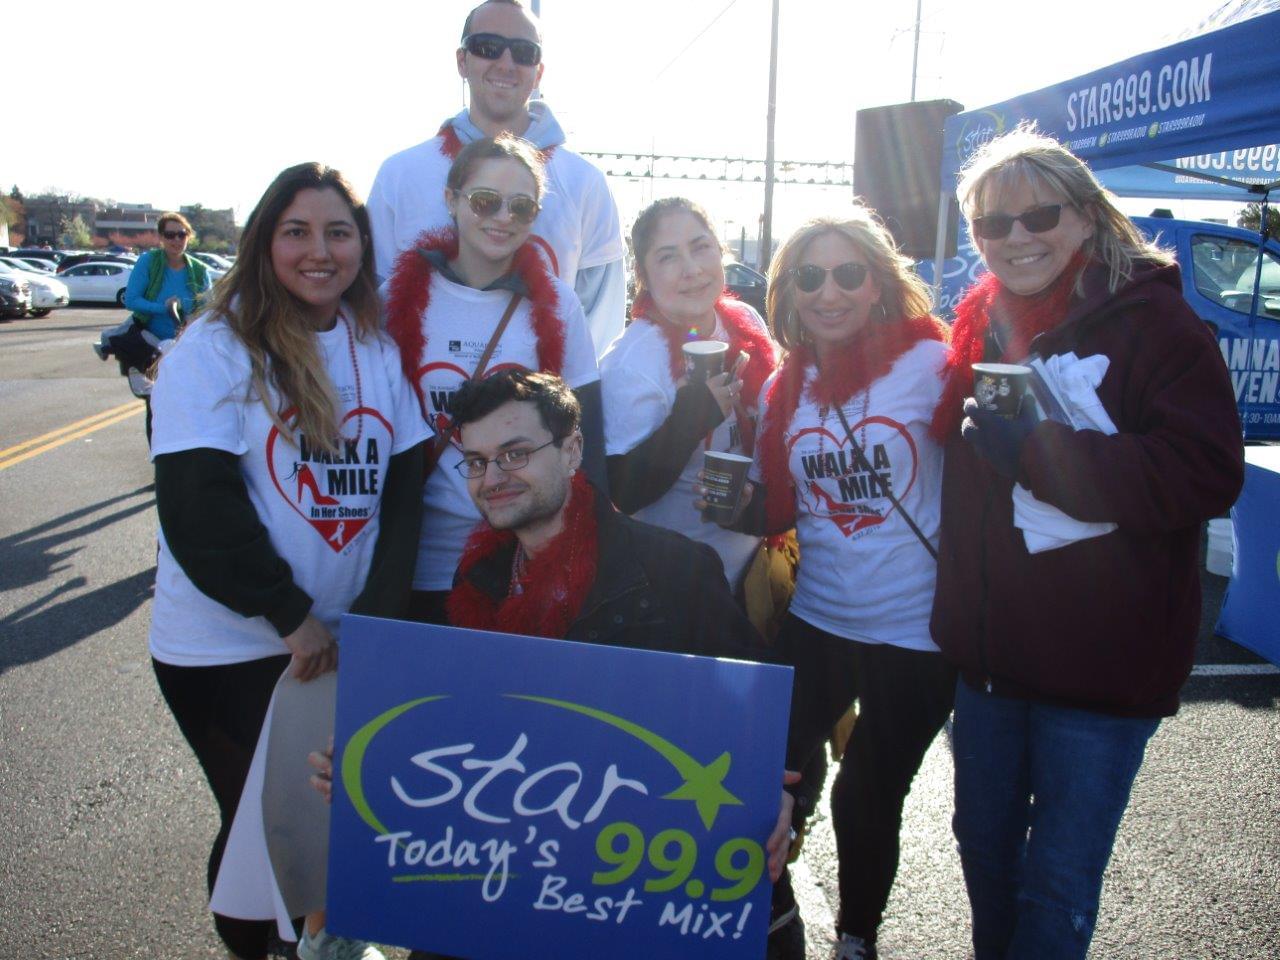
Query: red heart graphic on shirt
x=863 y=505
x=435 y=402
x=337 y=499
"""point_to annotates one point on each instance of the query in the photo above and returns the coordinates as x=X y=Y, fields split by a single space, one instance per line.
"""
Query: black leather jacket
x=654 y=589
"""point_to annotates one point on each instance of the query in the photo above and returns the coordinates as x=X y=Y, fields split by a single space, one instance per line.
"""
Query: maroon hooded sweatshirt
x=1109 y=623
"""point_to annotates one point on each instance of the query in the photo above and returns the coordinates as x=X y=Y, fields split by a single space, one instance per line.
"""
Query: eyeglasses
x=996 y=226
x=489 y=46
x=486 y=203
x=473 y=468
x=810 y=277
x=174 y=234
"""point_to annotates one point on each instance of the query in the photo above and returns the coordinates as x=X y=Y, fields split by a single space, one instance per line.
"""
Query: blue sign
x=1206 y=100
x=499 y=797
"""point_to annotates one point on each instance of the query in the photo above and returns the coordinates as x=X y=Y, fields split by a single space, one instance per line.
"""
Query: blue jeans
x=1040 y=791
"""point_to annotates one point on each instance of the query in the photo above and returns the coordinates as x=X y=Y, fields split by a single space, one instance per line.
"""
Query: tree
x=16 y=194
x=1251 y=218
x=75 y=234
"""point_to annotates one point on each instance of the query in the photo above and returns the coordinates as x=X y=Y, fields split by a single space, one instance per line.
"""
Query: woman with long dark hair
x=288 y=449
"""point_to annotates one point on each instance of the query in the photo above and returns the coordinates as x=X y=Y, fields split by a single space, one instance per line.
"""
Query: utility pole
x=766 y=233
x=915 y=52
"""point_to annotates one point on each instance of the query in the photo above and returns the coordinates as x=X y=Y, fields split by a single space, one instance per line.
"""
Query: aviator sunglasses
x=810 y=277
x=489 y=46
x=996 y=226
x=486 y=203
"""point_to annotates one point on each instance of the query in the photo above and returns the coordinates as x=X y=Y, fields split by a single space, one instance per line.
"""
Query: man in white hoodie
x=500 y=59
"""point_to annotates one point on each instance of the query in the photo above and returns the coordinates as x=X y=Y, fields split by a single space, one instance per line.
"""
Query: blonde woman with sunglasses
x=844 y=455
x=467 y=301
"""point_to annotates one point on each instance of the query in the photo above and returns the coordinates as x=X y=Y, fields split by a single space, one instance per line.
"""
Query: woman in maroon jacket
x=1070 y=649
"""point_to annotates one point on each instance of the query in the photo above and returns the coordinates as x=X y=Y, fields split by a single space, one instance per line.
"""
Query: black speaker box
x=896 y=157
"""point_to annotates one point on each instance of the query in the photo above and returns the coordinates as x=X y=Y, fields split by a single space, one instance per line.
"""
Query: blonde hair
x=1025 y=155
x=270 y=321
x=902 y=293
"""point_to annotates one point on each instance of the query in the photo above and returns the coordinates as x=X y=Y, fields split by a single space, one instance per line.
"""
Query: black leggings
x=904 y=698
x=220 y=710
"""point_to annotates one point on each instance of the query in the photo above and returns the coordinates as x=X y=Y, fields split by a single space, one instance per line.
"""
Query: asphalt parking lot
x=107 y=821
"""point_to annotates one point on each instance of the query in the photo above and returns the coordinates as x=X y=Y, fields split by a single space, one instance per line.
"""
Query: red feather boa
x=744 y=336
x=854 y=367
x=451 y=144
x=555 y=584
x=1024 y=317
x=409 y=293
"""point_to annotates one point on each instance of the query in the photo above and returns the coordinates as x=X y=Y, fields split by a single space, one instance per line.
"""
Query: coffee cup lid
x=1009 y=369
x=732 y=457
x=706 y=346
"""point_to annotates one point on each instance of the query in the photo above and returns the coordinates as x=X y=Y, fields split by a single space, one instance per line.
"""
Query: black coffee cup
x=1000 y=387
x=704 y=359
x=723 y=477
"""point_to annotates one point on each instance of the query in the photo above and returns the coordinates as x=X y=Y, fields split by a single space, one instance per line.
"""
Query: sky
x=168 y=104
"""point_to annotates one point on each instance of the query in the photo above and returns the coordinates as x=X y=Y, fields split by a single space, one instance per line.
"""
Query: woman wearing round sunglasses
x=470 y=300
x=658 y=424
x=844 y=455
x=1070 y=649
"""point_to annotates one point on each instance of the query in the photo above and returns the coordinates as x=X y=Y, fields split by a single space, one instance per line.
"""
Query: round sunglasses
x=997 y=226
x=810 y=277
x=490 y=46
x=486 y=203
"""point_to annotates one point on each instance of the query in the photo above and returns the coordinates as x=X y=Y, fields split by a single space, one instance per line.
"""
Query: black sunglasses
x=810 y=277
x=489 y=46
x=486 y=203
x=996 y=226
x=174 y=234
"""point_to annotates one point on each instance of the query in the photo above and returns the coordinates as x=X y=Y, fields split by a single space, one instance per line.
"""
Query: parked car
x=66 y=263
x=214 y=261
x=98 y=281
x=47 y=292
x=43 y=266
x=39 y=253
x=748 y=285
x=15 y=294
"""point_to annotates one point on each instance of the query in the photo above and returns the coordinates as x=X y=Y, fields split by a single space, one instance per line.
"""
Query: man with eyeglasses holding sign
x=554 y=559
x=577 y=229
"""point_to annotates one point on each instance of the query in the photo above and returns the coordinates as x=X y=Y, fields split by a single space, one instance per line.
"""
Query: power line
x=686 y=47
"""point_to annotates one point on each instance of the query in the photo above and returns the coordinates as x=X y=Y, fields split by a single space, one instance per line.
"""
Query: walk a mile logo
x=336 y=493
x=836 y=485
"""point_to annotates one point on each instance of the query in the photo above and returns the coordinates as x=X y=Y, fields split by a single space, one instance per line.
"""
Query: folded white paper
x=1073 y=384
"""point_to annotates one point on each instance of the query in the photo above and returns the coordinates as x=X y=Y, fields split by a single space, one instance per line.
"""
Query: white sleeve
x=755 y=473
x=406 y=416
x=603 y=292
x=199 y=396
x=580 y=366
x=601 y=226
x=634 y=406
x=382 y=225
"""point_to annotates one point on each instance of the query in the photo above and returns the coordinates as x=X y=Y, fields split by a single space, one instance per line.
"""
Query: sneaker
x=854 y=948
x=102 y=350
x=139 y=383
x=325 y=946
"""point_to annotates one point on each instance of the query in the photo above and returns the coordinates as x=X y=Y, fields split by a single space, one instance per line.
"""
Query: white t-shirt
x=460 y=321
x=639 y=394
x=863 y=574
x=577 y=228
x=320 y=510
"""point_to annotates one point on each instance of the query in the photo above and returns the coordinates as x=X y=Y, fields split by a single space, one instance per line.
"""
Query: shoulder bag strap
x=864 y=464
x=436 y=450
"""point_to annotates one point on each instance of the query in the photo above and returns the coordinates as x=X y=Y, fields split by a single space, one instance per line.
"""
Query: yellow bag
x=770 y=581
